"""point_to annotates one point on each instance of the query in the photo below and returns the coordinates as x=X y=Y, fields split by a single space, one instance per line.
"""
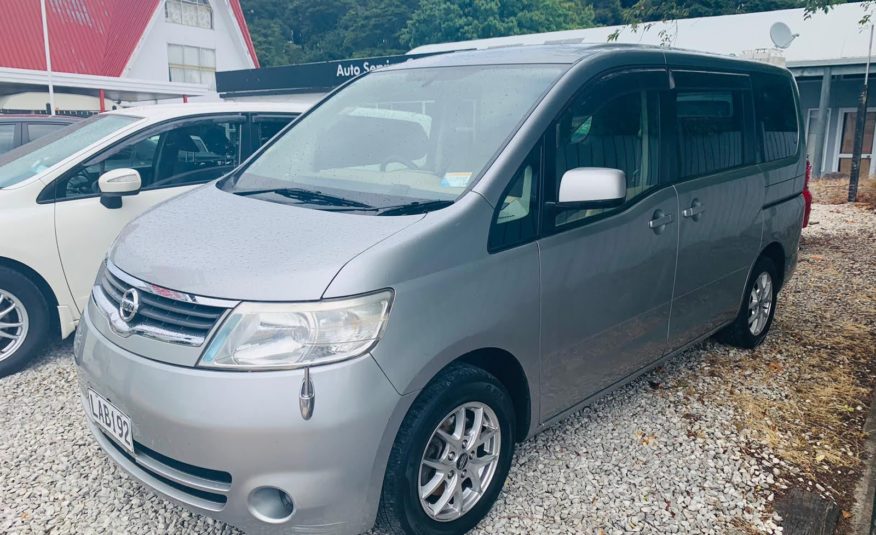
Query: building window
x=847 y=120
x=197 y=13
x=192 y=65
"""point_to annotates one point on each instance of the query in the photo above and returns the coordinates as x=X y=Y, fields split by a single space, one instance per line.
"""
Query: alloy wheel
x=13 y=324
x=459 y=462
x=760 y=303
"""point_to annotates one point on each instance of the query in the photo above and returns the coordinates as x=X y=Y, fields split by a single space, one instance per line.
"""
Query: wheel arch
x=776 y=252
x=41 y=283
x=509 y=371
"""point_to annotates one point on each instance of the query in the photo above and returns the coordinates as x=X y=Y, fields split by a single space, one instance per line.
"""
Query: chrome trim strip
x=180 y=477
x=167 y=292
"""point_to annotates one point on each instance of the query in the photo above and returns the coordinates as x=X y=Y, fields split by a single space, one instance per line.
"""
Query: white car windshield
x=398 y=137
x=26 y=161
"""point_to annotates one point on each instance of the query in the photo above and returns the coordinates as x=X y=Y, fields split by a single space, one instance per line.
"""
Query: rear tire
x=24 y=320
x=420 y=446
x=755 y=316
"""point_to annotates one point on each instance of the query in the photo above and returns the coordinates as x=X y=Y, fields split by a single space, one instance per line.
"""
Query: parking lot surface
x=682 y=450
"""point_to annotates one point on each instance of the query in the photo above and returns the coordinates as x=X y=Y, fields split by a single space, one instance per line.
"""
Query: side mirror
x=116 y=184
x=592 y=187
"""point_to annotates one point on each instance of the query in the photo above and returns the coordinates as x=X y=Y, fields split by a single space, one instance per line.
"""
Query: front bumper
x=207 y=439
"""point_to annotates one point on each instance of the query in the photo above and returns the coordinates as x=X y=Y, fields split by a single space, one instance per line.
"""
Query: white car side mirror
x=116 y=184
x=592 y=187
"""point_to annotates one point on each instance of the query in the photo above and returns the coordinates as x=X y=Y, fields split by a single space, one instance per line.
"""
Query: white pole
x=869 y=53
x=872 y=172
x=48 y=57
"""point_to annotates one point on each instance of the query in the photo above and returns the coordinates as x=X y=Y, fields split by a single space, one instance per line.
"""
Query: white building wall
x=150 y=62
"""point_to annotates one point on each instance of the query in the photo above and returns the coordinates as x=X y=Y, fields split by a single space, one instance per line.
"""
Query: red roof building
x=177 y=44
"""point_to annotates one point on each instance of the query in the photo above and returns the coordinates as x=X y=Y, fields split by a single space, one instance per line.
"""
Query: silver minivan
x=441 y=259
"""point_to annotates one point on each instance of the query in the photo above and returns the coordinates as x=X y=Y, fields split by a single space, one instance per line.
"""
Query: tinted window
x=190 y=153
x=614 y=131
x=710 y=131
x=267 y=127
x=775 y=116
x=196 y=153
x=516 y=220
x=403 y=136
x=7 y=136
x=38 y=130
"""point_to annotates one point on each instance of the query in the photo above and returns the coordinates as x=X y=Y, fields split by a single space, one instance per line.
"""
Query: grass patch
x=834 y=189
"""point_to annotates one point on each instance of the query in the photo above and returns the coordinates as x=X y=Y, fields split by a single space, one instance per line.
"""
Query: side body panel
x=716 y=250
x=606 y=293
x=451 y=297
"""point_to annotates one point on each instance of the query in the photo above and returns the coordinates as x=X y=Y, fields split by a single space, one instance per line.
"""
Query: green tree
x=607 y=12
x=373 y=28
x=436 y=21
x=653 y=10
x=295 y=31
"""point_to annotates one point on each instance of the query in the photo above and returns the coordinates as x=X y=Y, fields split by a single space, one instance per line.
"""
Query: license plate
x=114 y=421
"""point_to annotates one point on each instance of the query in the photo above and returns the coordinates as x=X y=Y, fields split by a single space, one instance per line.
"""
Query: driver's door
x=171 y=158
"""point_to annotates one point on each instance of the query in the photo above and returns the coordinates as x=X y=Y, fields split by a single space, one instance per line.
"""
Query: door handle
x=659 y=221
x=696 y=208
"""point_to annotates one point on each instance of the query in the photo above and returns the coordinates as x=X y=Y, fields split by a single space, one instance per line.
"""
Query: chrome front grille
x=163 y=314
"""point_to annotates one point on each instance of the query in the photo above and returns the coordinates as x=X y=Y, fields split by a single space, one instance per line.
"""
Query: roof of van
x=168 y=111
x=556 y=54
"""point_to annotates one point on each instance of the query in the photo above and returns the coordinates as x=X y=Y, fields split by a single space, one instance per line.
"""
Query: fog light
x=271 y=505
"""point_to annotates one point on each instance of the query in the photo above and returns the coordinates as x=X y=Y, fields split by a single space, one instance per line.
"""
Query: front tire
x=451 y=456
x=755 y=316
x=24 y=320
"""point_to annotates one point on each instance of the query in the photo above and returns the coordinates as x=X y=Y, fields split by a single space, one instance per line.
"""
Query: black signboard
x=303 y=78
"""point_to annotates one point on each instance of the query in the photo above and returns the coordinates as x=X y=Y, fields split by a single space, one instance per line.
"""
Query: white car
x=65 y=197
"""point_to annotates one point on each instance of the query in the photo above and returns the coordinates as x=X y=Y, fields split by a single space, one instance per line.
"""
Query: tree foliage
x=295 y=31
x=436 y=21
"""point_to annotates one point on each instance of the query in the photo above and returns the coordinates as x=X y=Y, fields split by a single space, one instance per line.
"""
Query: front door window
x=185 y=154
x=607 y=129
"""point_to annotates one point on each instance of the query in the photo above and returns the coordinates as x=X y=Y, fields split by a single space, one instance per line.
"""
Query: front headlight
x=270 y=336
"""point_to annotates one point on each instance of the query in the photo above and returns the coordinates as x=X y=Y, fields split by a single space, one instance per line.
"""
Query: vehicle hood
x=216 y=244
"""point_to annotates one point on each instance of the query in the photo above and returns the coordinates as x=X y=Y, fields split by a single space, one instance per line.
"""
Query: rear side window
x=775 y=117
x=7 y=136
x=268 y=127
x=38 y=130
x=711 y=126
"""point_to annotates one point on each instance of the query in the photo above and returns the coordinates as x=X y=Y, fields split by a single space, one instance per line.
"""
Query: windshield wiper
x=307 y=196
x=415 y=207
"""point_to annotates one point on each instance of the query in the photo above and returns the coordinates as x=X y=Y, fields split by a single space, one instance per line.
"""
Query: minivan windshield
x=397 y=139
x=27 y=160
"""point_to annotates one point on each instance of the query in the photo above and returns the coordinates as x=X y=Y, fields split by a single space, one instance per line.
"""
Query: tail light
x=807 y=195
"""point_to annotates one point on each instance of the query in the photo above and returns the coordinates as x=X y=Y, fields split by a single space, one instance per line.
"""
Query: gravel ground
x=676 y=451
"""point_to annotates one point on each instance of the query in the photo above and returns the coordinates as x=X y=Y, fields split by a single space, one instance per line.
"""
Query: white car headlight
x=271 y=336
